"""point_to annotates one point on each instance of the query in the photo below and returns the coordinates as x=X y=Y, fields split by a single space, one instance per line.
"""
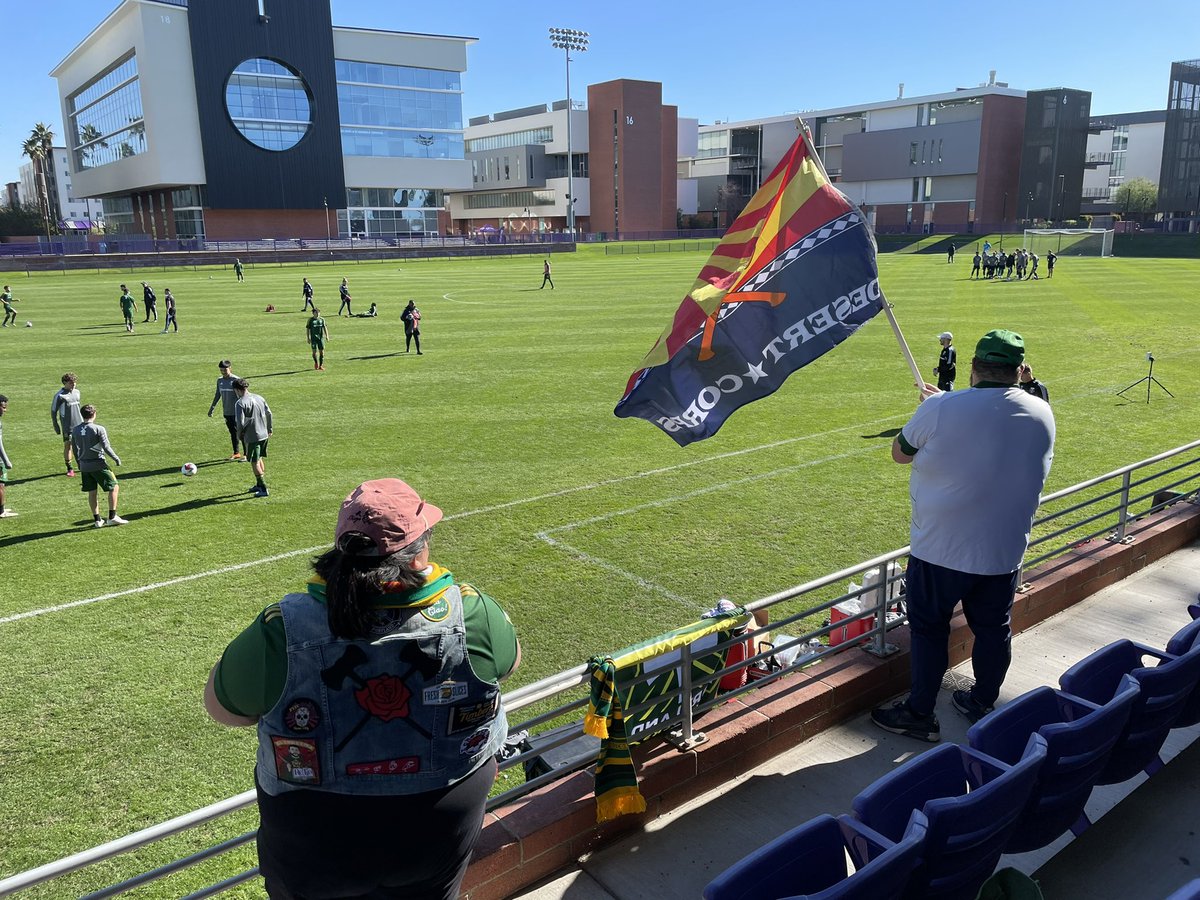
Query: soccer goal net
x=1069 y=241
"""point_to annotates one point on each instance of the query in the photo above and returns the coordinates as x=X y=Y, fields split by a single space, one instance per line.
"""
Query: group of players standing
x=999 y=265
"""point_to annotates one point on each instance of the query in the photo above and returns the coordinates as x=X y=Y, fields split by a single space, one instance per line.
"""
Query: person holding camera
x=1031 y=385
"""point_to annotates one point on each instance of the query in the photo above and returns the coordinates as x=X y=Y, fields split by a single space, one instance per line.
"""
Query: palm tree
x=37 y=148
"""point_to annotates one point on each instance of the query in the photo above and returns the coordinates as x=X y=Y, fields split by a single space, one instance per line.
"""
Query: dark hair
x=1000 y=373
x=354 y=580
x=241 y=384
x=88 y=412
x=69 y=376
x=3 y=399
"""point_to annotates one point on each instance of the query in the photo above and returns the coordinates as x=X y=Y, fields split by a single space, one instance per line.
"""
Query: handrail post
x=685 y=737
x=1122 y=513
x=879 y=645
x=685 y=691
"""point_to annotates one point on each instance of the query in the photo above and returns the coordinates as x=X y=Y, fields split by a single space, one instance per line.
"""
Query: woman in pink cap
x=376 y=695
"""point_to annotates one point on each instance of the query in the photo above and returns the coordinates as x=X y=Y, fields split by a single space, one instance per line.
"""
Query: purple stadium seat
x=971 y=803
x=1079 y=738
x=1166 y=687
x=1190 y=891
x=1184 y=640
x=810 y=862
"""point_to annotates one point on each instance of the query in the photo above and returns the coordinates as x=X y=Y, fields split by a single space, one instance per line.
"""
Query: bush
x=24 y=219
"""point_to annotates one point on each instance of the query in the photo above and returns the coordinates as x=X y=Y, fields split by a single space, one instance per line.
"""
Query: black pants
x=409 y=337
x=231 y=424
x=545 y=280
x=316 y=845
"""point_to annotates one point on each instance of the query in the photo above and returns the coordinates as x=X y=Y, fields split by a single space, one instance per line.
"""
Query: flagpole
x=918 y=379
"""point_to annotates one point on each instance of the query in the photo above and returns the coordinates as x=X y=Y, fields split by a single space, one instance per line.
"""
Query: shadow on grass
x=886 y=433
x=17 y=481
x=105 y=325
x=131 y=517
x=275 y=374
x=380 y=355
x=169 y=470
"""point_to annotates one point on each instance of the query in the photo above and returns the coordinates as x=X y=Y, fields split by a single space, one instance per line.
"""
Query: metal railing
x=1101 y=507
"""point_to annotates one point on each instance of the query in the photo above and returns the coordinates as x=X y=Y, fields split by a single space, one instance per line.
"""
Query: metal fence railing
x=1099 y=508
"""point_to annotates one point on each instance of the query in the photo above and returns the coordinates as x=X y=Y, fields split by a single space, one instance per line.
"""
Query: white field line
x=223 y=570
x=666 y=501
x=463 y=302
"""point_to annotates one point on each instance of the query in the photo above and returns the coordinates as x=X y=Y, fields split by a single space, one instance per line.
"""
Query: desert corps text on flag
x=793 y=277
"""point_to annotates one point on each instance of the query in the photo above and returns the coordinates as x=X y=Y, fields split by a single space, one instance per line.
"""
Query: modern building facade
x=936 y=162
x=624 y=147
x=1120 y=148
x=1053 y=154
x=1179 y=187
x=260 y=118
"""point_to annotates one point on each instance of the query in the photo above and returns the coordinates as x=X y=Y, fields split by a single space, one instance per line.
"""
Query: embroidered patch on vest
x=296 y=760
x=302 y=715
x=446 y=692
x=401 y=765
x=473 y=744
x=437 y=610
x=472 y=715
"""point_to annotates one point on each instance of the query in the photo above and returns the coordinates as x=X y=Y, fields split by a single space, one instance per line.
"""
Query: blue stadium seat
x=1190 y=891
x=1184 y=640
x=1079 y=737
x=810 y=862
x=971 y=803
x=1165 y=689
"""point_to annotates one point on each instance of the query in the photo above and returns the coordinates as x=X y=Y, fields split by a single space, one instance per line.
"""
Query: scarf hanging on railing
x=616 y=776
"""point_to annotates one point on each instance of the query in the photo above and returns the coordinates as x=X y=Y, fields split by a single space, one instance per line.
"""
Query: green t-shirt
x=251 y=674
x=6 y=299
x=127 y=304
x=316 y=329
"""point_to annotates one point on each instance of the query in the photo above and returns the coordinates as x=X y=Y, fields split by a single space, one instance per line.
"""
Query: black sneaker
x=970 y=707
x=262 y=492
x=899 y=719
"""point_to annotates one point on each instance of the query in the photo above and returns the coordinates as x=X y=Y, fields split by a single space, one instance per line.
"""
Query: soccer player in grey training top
x=64 y=413
x=91 y=446
x=228 y=398
x=254 y=428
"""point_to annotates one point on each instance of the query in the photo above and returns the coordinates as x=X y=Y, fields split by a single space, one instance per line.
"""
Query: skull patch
x=302 y=715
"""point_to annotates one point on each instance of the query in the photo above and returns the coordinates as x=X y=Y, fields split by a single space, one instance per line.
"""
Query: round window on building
x=269 y=103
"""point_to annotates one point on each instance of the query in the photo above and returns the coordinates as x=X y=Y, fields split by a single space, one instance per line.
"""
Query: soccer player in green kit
x=317 y=335
x=127 y=306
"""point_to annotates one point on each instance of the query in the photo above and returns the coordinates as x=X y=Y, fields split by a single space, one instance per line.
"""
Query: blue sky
x=716 y=60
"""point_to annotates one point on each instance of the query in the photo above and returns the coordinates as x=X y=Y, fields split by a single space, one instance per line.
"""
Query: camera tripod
x=1148 y=381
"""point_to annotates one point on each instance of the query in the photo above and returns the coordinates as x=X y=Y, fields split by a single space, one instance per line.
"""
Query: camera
x=1150 y=356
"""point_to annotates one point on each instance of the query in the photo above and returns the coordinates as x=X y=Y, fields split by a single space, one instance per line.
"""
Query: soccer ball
x=189 y=469
x=28 y=324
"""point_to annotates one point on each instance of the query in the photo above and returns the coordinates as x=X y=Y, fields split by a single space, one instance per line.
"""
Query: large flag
x=794 y=276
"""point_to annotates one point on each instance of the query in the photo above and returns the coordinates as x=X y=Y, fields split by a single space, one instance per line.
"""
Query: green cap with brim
x=1001 y=346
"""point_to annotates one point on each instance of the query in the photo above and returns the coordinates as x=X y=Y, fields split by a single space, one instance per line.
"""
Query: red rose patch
x=385 y=697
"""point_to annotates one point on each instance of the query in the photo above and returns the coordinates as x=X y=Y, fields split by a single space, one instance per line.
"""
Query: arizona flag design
x=793 y=277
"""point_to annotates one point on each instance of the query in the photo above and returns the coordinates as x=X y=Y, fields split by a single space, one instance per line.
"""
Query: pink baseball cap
x=387 y=511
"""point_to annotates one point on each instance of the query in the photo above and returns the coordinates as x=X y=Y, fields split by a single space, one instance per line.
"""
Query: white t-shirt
x=983 y=457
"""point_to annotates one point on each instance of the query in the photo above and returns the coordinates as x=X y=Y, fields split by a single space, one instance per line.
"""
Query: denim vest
x=399 y=713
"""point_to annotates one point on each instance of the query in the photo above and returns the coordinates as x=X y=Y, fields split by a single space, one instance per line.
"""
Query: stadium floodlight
x=1070 y=241
x=568 y=39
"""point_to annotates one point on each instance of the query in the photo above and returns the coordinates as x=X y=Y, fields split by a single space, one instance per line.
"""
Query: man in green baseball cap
x=979 y=459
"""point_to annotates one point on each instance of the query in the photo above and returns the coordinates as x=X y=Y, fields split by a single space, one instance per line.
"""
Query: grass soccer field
x=592 y=531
